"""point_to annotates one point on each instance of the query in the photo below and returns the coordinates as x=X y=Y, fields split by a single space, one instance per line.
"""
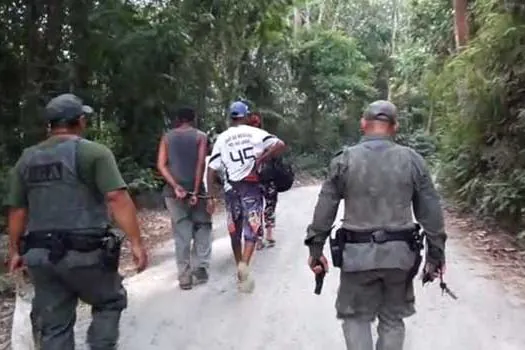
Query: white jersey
x=237 y=148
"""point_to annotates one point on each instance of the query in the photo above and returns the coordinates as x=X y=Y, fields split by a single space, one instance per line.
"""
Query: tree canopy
x=310 y=66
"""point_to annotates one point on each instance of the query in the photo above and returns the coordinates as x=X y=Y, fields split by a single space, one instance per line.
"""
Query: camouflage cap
x=66 y=107
x=381 y=110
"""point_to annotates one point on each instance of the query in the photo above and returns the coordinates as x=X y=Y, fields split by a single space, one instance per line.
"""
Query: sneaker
x=185 y=282
x=245 y=283
x=200 y=276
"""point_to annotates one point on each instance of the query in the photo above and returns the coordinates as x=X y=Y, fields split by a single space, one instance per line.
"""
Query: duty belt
x=380 y=236
x=70 y=241
x=413 y=237
x=59 y=242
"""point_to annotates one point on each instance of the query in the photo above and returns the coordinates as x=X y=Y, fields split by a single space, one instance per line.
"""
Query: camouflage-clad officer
x=380 y=182
x=59 y=194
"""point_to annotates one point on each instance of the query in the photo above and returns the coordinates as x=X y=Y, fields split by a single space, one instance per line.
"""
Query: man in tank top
x=181 y=161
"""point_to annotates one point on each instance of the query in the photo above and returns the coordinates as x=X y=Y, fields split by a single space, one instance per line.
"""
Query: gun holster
x=111 y=249
x=57 y=248
x=54 y=242
x=416 y=245
x=337 y=246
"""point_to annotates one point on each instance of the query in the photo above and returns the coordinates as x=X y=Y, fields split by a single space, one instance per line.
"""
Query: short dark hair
x=184 y=114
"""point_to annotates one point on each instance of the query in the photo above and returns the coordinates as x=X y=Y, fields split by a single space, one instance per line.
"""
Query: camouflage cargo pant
x=270 y=204
x=365 y=295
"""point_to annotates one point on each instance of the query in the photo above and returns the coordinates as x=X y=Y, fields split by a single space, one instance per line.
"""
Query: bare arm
x=125 y=214
x=201 y=162
x=16 y=224
x=17 y=209
x=109 y=181
x=210 y=182
x=213 y=165
x=275 y=150
x=162 y=163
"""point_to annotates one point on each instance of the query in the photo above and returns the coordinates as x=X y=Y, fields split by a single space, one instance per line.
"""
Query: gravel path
x=283 y=313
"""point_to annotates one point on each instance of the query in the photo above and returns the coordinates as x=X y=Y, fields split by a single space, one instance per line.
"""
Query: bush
x=312 y=164
x=139 y=179
x=424 y=144
x=482 y=123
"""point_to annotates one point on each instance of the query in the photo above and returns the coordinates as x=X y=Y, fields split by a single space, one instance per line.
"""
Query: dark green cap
x=381 y=110
x=66 y=107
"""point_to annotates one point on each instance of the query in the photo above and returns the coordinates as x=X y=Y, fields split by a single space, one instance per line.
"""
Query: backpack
x=278 y=171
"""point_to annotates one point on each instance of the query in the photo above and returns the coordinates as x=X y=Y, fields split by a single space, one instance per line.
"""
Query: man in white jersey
x=241 y=150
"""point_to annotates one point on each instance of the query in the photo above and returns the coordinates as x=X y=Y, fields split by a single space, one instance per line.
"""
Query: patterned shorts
x=244 y=204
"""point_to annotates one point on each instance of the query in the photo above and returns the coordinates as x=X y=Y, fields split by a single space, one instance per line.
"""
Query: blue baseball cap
x=239 y=109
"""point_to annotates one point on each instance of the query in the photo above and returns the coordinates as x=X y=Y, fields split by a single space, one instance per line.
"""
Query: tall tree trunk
x=335 y=15
x=51 y=76
x=296 y=21
x=307 y=16
x=393 y=39
x=80 y=25
x=321 y=12
x=430 y=120
x=33 y=86
x=461 y=27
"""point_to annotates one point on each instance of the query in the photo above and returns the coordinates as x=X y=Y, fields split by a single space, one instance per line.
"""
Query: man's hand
x=140 y=257
x=433 y=272
x=210 y=206
x=180 y=193
x=15 y=262
x=16 y=223
x=318 y=269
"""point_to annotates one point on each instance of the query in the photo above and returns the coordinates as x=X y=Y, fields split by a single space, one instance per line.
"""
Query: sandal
x=260 y=244
x=271 y=243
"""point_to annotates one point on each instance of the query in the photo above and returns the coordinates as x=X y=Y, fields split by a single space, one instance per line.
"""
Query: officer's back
x=378 y=246
x=56 y=194
x=378 y=184
x=59 y=192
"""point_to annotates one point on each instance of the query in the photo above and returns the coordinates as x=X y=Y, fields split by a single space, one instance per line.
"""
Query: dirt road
x=283 y=312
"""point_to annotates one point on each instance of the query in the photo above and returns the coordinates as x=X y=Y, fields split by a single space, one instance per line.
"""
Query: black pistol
x=319 y=278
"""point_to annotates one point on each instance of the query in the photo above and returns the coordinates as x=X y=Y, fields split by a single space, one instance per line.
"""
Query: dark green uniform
x=380 y=183
x=62 y=182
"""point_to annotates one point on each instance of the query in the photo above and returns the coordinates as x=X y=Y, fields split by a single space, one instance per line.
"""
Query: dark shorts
x=244 y=205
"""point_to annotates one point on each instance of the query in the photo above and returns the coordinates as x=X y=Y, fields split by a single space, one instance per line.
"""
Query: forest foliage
x=309 y=66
